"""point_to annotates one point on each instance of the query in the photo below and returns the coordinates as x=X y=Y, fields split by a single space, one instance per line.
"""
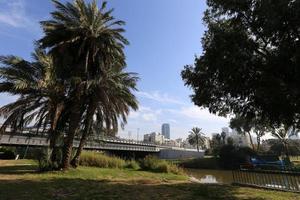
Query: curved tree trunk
x=87 y=129
x=258 y=143
x=53 y=131
x=75 y=117
x=251 y=141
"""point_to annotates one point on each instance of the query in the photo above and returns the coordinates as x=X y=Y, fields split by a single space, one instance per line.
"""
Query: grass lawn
x=18 y=180
x=296 y=160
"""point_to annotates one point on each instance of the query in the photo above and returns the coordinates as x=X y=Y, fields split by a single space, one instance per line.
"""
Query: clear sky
x=164 y=36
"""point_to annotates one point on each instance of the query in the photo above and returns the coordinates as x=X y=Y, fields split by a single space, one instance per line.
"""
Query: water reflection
x=280 y=181
x=211 y=176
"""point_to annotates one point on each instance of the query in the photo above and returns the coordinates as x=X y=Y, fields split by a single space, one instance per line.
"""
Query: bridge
x=98 y=144
x=115 y=145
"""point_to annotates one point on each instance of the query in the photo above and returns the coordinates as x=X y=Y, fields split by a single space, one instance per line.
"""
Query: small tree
x=246 y=126
x=215 y=144
x=197 y=138
x=223 y=136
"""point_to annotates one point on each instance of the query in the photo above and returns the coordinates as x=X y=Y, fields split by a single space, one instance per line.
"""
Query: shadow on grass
x=18 y=169
x=62 y=188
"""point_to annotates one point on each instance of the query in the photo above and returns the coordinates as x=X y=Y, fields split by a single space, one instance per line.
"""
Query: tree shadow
x=18 y=169
x=65 y=188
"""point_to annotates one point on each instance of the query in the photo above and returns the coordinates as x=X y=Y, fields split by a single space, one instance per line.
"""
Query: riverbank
x=19 y=180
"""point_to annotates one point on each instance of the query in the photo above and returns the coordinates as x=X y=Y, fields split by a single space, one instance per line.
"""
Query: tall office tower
x=165 y=130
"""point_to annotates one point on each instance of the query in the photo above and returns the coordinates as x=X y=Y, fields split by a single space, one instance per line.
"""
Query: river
x=274 y=180
x=211 y=176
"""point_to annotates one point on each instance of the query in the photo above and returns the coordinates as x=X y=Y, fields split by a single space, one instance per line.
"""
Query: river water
x=211 y=176
x=281 y=181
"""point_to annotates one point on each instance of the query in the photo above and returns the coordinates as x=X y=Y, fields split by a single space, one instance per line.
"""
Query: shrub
x=152 y=163
x=95 y=159
x=149 y=163
x=231 y=157
x=7 y=153
x=43 y=157
x=201 y=163
x=132 y=164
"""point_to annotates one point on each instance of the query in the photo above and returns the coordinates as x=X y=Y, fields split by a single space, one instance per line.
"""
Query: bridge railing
x=109 y=144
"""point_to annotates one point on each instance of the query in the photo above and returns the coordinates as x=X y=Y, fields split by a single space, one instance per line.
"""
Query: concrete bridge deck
x=107 y=144
x=102 y=144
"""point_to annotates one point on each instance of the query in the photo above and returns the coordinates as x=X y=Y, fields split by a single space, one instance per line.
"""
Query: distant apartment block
x=154 y=137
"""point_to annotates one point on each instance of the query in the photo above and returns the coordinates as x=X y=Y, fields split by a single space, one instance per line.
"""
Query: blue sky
x=164 y=36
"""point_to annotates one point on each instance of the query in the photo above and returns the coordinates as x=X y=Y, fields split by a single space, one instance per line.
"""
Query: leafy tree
x=215 y=144
x=246 y=126
x=223 y=136
x=230 y=141
x=197 y=138
x=250 y=61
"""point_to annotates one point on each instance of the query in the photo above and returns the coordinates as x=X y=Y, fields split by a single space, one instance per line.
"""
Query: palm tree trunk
x=87 y=129
x=75 y=119
x=258 y=143
x=75 y=116
x=53 y=131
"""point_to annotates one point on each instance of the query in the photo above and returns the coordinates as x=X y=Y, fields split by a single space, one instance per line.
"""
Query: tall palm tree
x=40 y=94
x=85 y=42
x=197 y=138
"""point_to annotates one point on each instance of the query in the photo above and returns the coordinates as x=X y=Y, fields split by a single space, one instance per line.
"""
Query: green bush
x=7 y=153
x=43 y=157
x=95 y=159
x=152 y=163
x=201 y=163
x=231 y=157
x=132 y=164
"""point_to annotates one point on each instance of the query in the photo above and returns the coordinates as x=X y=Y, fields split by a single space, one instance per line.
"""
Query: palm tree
x=110 y=100
x=40 y=94
x=282 y=133
x=85 y=42
x=197 y=138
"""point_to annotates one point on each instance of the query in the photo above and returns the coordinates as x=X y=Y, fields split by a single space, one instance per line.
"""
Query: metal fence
x=278 y=180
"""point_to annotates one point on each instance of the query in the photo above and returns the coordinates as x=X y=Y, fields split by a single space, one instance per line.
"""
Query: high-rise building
x=165 y=130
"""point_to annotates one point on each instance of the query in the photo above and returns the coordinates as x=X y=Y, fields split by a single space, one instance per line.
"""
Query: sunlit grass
x=104 y=183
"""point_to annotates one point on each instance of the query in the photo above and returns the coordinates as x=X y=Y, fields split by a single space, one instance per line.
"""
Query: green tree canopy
x=250 y=64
